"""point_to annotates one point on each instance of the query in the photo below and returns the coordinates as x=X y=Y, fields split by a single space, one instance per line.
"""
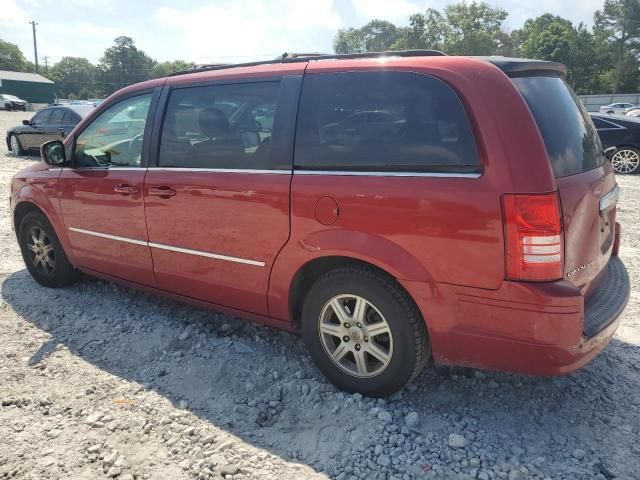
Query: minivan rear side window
x=383 y=121
x=571 y=140
x=219 y=126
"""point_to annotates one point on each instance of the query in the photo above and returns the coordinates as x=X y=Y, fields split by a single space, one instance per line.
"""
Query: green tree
x=553 y=38
x=426 y=30
x=473 y=28
x=123 y=64
x=375 y=36
x=73 y=76
x=11 y=57
x=167 y=68
x=618 y=25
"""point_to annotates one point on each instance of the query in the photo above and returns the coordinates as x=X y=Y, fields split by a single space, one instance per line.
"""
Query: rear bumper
x=532 y=328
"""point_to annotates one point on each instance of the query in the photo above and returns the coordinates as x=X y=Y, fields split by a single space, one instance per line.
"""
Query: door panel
x=106 y=229
x=217 y=237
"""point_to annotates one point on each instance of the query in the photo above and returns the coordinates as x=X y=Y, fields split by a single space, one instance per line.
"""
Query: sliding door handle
x=162 y=191
x=125 y=189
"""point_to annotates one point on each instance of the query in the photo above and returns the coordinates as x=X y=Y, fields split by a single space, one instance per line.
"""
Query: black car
x=622 y=132
x=51 y=123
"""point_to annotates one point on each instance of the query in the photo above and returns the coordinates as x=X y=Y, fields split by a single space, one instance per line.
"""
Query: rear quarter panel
x=434 y=230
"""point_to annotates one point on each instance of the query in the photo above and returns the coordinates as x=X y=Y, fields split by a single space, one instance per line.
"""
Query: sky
x=223 y=30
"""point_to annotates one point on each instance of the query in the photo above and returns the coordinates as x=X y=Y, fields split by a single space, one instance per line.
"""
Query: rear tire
x=364 y=332
x=42 y=252
x=626 y=161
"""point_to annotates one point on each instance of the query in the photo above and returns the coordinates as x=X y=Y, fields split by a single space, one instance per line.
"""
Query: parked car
x=443 y=240
x=633 y=112
x=623 y=133
x=51 y=123
x=617 y=108
x=11 y=102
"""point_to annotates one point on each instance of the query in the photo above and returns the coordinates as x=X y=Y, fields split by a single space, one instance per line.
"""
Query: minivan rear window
x=571 y=140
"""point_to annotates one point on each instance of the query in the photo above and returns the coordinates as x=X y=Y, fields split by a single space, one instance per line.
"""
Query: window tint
x=69 y=119
x=571 y=140
x=600 y=124
x=56 y=117
x=382 y=121
x=220 y=126
x=114 y=138
x=42 y=117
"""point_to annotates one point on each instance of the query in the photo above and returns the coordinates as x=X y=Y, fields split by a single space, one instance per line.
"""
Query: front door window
x=114 y=139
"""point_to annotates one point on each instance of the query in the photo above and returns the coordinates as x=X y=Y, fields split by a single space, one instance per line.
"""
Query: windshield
x=571 y=139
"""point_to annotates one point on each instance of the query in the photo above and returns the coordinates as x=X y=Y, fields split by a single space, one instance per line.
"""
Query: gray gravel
x=100 y=381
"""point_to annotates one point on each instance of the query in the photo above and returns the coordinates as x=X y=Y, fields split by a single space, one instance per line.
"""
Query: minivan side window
x=219 y=126
x=114 y=138
x=383 y=121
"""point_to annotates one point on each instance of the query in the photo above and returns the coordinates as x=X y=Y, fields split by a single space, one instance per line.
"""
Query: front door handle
x=163 y=191
x=125 y=189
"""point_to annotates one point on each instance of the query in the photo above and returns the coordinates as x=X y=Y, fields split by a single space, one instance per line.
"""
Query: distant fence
x=594 y=102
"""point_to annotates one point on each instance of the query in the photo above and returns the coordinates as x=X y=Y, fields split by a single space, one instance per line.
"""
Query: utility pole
x=35 y=43
x=46 y=64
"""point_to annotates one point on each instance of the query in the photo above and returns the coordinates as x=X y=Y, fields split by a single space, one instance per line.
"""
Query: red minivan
x=396 y=209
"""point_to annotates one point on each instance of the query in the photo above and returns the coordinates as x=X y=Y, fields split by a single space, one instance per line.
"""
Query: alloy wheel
x=41 y=250
x=355 y=335
x=625 y=161
x=14 y=144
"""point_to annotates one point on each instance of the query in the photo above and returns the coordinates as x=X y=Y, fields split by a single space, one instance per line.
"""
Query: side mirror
x=26 y=122
x=52 y=153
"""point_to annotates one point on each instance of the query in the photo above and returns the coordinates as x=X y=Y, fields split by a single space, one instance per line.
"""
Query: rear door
x=217 y=205
x=585 y=180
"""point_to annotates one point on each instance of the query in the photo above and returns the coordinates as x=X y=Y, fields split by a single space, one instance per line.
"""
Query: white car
x=633 y=112
x=619 y=108
x=11 y=102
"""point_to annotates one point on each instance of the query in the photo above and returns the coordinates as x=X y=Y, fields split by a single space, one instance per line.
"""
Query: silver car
x=11 y=102
x=618 y=108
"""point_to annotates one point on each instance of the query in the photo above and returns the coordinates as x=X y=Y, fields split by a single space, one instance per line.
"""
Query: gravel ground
x=100 y=381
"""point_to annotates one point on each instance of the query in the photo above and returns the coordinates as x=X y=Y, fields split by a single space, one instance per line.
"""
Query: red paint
x=89 y=201
x=441 y=238
x=233 y=214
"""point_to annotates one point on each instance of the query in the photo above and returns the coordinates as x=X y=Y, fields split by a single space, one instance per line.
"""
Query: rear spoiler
x=520 y=67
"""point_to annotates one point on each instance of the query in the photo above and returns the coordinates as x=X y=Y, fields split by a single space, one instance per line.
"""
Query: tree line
x=601 y=59
x=76 y=77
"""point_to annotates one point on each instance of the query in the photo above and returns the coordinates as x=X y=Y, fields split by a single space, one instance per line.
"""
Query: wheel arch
x=308 y=273
x=33 y=202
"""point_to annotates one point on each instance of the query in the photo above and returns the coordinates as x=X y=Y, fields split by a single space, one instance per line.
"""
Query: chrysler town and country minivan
x=402 y=208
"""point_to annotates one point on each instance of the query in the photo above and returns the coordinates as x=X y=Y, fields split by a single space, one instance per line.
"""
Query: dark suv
x=401 y=208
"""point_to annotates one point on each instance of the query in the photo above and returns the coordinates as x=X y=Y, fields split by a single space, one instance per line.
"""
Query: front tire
x=42 y=252
x=364 y=332
x=16 y=146
x=626 y=160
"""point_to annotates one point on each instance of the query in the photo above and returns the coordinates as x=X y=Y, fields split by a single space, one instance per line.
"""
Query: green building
x=31 y=87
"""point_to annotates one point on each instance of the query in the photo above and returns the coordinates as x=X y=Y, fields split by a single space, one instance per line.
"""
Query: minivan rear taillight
x=533 y=236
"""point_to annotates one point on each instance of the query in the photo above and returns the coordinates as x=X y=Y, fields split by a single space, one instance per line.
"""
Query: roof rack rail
x=308 y=57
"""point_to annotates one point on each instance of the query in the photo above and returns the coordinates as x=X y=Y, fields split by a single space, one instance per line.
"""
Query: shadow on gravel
x=258 y=384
